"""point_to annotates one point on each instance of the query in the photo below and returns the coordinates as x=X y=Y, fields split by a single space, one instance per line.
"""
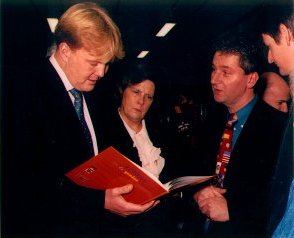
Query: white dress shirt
x=68 y=87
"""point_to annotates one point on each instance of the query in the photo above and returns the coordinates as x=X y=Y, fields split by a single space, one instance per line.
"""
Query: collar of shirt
x=243 y=115
x=68 y=87
x=131 y=131
x=148 y=154
x=60 y=72
x=245 y=111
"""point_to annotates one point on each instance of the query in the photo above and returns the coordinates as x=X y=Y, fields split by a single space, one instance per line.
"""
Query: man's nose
x=101 y=70
x=270 y=58
x=214 y=78
x=284 y=107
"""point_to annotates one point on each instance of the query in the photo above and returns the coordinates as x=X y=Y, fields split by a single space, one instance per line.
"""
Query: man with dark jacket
x=236 y=204
x=278 y=37
x=54 y=129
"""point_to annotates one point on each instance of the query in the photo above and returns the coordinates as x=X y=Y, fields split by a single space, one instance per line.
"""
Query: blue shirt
x=285 y=228
x=243 y=115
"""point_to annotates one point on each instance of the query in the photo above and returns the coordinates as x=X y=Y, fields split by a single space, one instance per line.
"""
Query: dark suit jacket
x=282 y=178
x=249 y=171
x=45 y=142
x=158 y=222
x=114 y=133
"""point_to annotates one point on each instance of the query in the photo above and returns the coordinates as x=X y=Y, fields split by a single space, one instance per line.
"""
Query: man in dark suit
x=55 y=128
x=278 y=37
x=237 y=206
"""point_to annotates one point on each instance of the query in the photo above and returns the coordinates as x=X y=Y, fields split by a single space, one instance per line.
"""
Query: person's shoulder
x=110 y=119
x=266 y=108
x=31 y=80
x=42 y=65
x=36 y=74
x=270 y=115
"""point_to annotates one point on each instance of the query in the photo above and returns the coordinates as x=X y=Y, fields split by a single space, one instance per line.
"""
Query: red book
x=110 y=169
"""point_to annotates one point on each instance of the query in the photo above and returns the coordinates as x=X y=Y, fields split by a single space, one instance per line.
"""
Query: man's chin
x=291 y=84
x=218 y=99
x=283 y=73
x=88 y=87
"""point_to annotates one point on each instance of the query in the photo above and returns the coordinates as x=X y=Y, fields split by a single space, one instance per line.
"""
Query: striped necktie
x=78 y=104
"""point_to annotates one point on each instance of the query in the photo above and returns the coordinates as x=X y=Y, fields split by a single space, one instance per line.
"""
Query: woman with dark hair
x=128 y=130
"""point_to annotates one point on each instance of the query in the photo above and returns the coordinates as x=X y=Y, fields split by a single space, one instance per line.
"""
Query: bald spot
x=277 y=91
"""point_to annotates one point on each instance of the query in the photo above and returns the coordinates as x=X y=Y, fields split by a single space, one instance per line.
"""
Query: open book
x=110 y=169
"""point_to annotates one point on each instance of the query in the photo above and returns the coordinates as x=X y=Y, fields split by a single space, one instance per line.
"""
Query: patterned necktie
x=225 y=149
x=78 y=104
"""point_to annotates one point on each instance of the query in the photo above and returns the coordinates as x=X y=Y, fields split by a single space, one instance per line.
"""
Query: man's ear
x=252 y=79
x=286 y=34
x=65 y=51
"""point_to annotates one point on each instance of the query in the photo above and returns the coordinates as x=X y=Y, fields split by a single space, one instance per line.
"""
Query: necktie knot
x=232 y=119
x=76 y=93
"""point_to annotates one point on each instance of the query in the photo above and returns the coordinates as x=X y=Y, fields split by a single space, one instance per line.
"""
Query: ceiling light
x=143 y=54
x=52 y=23
x=165 y=29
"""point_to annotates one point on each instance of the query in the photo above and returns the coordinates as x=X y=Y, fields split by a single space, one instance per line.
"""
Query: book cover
x=110 y=169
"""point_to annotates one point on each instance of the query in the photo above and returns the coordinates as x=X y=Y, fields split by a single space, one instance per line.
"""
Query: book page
x=186 y=180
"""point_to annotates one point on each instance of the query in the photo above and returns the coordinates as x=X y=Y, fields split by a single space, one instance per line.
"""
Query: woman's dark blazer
x=158 y=221
x=115 y=134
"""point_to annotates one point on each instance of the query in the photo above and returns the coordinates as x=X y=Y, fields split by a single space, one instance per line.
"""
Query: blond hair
x=88 y=25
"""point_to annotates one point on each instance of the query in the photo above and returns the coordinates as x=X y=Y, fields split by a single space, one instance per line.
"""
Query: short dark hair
x=244 y=47
x=135 y=74
x=276 y=13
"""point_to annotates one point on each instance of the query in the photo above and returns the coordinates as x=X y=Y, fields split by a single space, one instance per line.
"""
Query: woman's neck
x=134 y=125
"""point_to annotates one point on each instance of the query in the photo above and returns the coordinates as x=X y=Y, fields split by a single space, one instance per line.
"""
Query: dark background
x=182 y=58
